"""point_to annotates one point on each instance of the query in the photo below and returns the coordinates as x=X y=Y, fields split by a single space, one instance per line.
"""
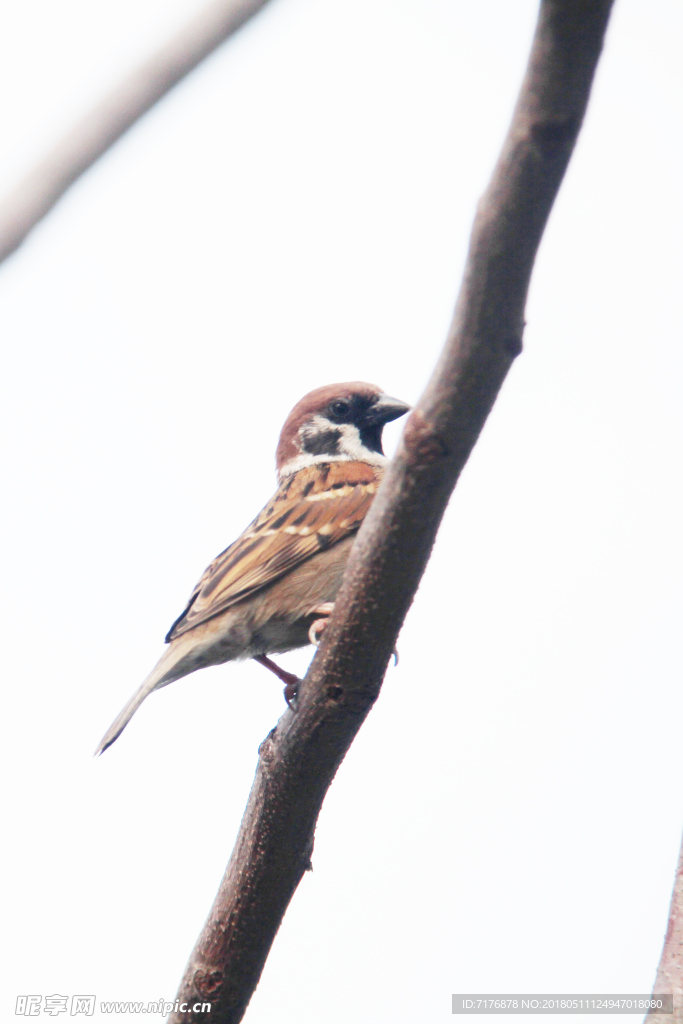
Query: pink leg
x=288 y=678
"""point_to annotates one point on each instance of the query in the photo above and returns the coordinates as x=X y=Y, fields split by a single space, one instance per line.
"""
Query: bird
x=273 y=589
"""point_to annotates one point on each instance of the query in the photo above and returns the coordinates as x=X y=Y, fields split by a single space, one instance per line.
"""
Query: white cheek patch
x=343 y=442
x=350 y=442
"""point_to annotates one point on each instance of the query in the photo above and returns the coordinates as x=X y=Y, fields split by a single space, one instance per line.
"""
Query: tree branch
x=100 y=129
x=670 y=971
x=301 y=755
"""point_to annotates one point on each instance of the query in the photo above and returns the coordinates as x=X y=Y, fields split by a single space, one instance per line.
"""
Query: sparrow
x=274 y=588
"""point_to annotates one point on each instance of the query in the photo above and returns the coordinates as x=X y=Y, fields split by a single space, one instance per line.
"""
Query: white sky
x=294 y=214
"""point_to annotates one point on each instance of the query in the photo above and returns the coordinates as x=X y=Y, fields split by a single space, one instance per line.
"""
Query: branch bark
x=301 y=755
x=670 y=971
x=107 y=122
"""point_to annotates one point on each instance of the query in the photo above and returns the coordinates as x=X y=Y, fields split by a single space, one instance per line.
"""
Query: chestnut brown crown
x=338 y=422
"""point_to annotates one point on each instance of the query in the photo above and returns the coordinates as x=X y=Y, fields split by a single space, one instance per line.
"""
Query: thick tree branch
x=670 y=971
x=299 y=758
x=100 y=129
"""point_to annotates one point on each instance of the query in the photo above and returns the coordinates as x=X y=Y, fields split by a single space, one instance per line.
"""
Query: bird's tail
x=165 y=671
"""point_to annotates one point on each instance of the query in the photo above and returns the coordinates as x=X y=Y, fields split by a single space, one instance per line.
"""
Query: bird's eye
x=339 y=408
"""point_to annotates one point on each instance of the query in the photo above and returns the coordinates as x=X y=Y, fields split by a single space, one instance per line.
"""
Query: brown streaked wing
x=288 y=531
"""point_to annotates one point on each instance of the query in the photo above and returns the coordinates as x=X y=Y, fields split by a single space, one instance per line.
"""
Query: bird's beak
x=386 y=409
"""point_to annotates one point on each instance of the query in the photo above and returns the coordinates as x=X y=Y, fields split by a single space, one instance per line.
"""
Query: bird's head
x=337 y=423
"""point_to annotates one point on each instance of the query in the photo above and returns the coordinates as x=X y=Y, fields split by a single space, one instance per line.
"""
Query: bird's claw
x=318 y=626
x=288 y=678
x=291 y=693
x=316 y=631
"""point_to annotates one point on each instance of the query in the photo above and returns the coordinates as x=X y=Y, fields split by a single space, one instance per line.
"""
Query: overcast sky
x=297 y=213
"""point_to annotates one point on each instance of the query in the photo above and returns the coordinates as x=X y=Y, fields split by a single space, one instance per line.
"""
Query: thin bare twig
x=40 y=190
x=670 y=971
x=300 y=756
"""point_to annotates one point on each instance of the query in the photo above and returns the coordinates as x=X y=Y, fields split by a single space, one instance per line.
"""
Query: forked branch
x=299 y=758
